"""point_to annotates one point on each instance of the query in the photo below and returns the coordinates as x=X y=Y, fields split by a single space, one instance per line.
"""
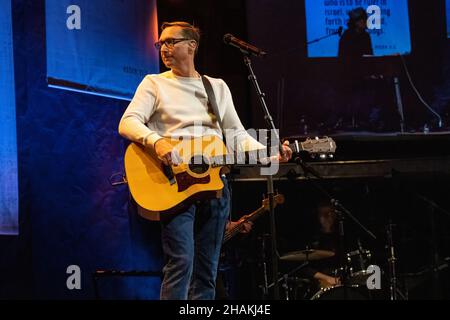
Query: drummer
x=323 y=271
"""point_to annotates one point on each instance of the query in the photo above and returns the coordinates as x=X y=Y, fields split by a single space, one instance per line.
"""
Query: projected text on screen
x=391 y=35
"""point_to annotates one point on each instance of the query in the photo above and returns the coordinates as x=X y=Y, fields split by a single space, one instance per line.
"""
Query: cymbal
x=307 y=255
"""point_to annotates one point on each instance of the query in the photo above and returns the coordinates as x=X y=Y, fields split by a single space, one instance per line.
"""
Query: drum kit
x=353 y=274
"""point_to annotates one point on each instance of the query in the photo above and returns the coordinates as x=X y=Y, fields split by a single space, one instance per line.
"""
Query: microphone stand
x=324 y=37
x=270 y=189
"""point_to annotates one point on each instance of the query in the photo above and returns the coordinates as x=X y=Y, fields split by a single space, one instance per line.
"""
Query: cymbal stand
x=265 y=286
x=392 y=263
x=394 y=291
x=285 y=285
x=342 y=247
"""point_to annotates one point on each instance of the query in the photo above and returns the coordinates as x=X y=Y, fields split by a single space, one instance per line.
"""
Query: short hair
x=356 y=15
x=189 y=31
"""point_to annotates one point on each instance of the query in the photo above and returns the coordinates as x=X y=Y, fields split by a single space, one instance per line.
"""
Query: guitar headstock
x=324 y=147
x=277 y=199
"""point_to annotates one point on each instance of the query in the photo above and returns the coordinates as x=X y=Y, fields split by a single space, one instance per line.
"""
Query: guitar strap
x=212 y=104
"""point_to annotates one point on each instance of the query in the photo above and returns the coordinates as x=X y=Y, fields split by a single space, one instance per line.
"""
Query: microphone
x=339 y=32
x=243 y=46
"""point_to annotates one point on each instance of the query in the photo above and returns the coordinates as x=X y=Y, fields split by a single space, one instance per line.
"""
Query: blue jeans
x=191 y=243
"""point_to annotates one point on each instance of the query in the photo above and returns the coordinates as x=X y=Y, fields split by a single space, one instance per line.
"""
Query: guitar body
x=156 y=191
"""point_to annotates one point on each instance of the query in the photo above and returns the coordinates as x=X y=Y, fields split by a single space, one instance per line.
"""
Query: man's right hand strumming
x=167 y=153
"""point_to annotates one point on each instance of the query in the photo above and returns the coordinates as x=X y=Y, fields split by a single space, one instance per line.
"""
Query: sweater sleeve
x=133 y=126
x=234 y=130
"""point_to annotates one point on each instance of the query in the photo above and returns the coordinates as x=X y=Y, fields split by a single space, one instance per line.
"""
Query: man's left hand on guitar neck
x=287 y=152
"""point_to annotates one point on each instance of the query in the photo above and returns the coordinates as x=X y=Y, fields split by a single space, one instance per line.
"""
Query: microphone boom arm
x=339 y=32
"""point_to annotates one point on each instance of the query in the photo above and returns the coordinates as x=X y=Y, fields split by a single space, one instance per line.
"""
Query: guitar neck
x=244 y=157
x=238 y=227
x=296 y=146
x=314 y=146
x=234 y=158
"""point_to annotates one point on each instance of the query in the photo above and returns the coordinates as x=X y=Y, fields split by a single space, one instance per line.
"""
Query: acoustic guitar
x=158 y=188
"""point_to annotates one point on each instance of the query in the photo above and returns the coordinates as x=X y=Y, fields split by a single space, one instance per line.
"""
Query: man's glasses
x=170 y=42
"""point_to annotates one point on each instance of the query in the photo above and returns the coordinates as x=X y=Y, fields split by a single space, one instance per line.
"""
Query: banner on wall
x=102 y=47
x=9 y=194
x=447 y=9
x=325 y=17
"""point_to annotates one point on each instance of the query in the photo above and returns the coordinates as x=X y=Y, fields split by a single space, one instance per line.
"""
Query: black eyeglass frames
x=169 y=42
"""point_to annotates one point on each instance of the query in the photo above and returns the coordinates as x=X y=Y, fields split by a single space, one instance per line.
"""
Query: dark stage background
x=68 y=147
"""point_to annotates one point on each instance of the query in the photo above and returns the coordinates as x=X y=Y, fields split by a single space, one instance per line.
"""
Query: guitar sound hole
x=198 y=164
